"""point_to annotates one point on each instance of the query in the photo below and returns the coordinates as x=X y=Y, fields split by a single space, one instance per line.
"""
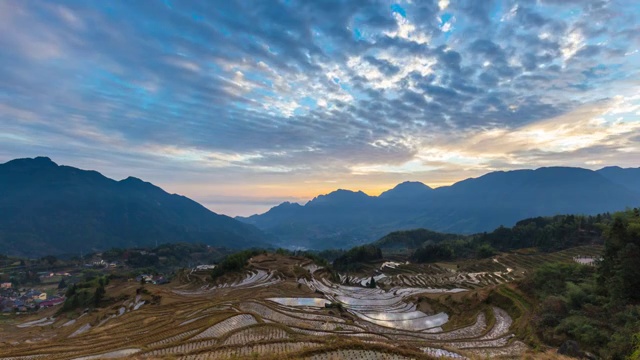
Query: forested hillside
x=579 y=308
x=597 y=307
x=545 y=233
x=50 y=209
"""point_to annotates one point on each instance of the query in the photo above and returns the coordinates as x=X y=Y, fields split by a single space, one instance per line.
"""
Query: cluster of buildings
x=100 y=263
x=587 y=260
x=150 y=279
x=204 y=267
x=23 y=300
x=49 y=274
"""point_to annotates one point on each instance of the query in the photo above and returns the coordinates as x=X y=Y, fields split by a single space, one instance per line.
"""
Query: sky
x=241 y=105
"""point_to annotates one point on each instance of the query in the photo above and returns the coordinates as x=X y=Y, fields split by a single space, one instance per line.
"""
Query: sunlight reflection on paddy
x=413 y=321
x=315 y=302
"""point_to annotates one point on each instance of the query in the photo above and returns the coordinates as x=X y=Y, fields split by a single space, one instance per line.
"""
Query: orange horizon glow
x=273 y=195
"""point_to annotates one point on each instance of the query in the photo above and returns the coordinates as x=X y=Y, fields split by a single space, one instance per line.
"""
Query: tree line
x=545 y=233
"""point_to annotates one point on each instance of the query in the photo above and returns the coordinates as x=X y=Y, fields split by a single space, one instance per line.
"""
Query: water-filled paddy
x=204 y=326
x=412 y=321
x=314 y=302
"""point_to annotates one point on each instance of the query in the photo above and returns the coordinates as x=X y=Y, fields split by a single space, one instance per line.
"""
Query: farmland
x=288 y=307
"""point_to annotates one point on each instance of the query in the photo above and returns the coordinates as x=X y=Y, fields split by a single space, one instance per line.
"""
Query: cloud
x=284 y=92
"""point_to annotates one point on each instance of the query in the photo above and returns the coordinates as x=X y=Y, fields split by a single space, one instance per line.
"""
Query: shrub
x=233 y=262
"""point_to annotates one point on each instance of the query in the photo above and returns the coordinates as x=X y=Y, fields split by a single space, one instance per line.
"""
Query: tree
x=354 y=258
x=627 y=281
x=71 y=290
x=636 y=352
x=62 y=284
x=485 y=251
x=50 y=259
x=372 y=283
x=431 y=252
x=99 y=295
x=112 y=254
x=618 y=272
x=233 y=262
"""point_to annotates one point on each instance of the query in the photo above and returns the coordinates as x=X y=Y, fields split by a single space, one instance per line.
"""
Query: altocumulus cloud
x=283 y=99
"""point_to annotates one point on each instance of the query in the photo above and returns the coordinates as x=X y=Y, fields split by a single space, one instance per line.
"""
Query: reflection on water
x=413 y=321
x=316 y=302
x=384 y=308
x=394 y=316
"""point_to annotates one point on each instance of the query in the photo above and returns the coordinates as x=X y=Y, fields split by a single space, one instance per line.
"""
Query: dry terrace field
x=276 y=310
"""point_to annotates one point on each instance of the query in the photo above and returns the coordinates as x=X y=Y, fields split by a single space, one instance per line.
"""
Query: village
x=29 y=299
x=28 y=286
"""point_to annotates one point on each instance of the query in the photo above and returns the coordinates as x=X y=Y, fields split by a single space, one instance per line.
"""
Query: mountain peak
x=132 y=179
x=45 y=204
x=133 y=182
x=344 y=193
x=615 y=167
x=406 y=189
x=39 y=161
x=341 y=196
x=44 y=160
x=290 y=204
x=627 y=177
x=412 y=185
x=287 y=205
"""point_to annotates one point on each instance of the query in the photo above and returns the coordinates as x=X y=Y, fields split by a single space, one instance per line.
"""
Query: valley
x=320 y=180
x=94 y=268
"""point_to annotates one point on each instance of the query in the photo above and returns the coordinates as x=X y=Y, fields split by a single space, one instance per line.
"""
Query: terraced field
x=269 y=313
x=474 y=274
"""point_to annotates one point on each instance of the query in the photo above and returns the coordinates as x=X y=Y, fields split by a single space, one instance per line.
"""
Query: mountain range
x=46 y=208
x=50 y=209
x=346 y=218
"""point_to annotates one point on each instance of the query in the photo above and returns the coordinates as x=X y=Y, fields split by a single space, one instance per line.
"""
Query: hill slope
x=51 y=209
x=413 y=239
x=629 y=178
x=344 y=218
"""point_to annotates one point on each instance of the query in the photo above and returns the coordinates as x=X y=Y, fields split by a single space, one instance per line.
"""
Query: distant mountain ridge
x=629 y=178
x=345 y=218
x=46 y=208
x=406 y=189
